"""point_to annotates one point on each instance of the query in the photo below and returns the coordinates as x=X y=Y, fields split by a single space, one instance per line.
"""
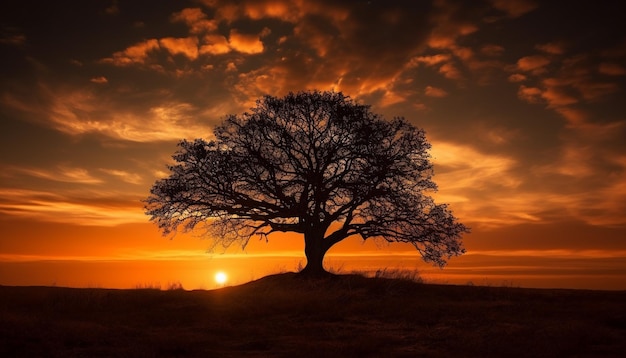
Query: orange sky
x=525 y=114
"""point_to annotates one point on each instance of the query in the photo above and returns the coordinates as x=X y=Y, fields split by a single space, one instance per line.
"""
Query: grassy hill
x=287 y=316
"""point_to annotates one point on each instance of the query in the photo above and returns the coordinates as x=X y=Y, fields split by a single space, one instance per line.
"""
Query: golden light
x=221 y=278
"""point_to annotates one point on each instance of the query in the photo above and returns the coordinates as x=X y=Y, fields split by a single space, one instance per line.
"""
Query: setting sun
x=221 y=278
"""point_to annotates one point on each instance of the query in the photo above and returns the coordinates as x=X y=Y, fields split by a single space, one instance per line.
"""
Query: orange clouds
x=288 y=11
x=272 y=9
x=128 y=177
x=552 y=48
x=202 y=40
x=245 y=43
x=215 y=45
x=336 y=44
x=12 y=36
x=563 y=82
x=100 y=80
x=187 y=46
x=431 y=60
x=556 y=96
x=450 y=71
x=570 y=86
x=517 y=77
x=534 y=64
x=212 y=42
x=514 y=8
x=529 y=94
x=135 y=54
x=431 y=91
x=426 y=61
x=442 y=62
x=462 y=171
x=63 y=208
x=465 y=167
x=81 y=111
x=492 y=50
x=196 y=20
x=611 y=69
x=60 y=174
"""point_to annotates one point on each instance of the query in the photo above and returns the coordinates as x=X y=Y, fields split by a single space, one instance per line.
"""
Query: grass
x=285 y=316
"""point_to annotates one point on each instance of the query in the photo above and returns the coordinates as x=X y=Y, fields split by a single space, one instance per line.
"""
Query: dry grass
x=285 y=316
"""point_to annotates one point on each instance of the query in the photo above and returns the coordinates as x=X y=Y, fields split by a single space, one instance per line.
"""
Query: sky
x=523 y=102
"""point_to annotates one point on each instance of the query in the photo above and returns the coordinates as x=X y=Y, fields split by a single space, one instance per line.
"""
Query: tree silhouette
x=314 y=163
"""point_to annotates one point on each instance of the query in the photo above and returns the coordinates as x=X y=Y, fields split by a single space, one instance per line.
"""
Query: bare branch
x=304 y=163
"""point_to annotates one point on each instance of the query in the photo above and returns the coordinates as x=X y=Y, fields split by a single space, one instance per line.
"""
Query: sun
x=221 y=277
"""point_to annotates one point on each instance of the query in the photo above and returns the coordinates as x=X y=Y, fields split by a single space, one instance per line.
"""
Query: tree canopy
x=314 y=163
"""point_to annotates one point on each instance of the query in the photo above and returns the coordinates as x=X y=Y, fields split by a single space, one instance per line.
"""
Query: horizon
x=525 y=115
x=194 y=270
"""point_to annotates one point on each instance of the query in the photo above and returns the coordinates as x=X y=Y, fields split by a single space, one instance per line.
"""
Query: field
x=287 y=316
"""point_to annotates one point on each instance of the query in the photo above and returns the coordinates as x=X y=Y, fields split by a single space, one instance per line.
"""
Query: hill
x=285 y=315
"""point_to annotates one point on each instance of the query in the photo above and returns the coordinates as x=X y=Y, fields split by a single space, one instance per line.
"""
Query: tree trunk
x=314 y=249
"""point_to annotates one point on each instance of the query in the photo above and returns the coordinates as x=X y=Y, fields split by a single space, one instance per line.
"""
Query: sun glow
x=221 y=278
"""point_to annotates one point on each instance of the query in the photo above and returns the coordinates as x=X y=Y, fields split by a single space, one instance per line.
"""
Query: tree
x=314 y=163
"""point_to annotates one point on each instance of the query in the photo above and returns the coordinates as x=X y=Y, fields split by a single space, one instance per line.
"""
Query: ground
x=285 y=316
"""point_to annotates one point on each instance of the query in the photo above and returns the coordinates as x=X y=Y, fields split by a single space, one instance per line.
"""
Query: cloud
x=552 y=48
x=529 y=94
x=514 y=8
x=63 y=208
x=495 y=134
x=592 y=91
x=492 y=50
x=454 y=25
x=556 y=96
x=326 y=47
x=574 y=117
x=273 y=9
x=245 y=43
x=231 y=67
x=13 y=39
x=465 y=167
x=449 y=27
x=611 y=69
x=430 y=60
x=450 y=71
x=61 y=174
x=113 y=9
x=319 y=39
x=296 y=74
x=391 y=97
x=480 y=187
x=534 y=64
x=99 y=80
x=487 y=191
x=196 y=20
x=449 y=24
x=431 y=91
x=123 y=175
x=79 y=111
x=591 y=148
x=186 y=46
x=136 y=54
x=517 y=77
x=339 y=33
x=569 y=83
x=215 y=45
x=587 y=180
x=287 y=11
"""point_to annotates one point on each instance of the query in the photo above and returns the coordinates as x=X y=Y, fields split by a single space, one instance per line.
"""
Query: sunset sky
x=523 y=101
